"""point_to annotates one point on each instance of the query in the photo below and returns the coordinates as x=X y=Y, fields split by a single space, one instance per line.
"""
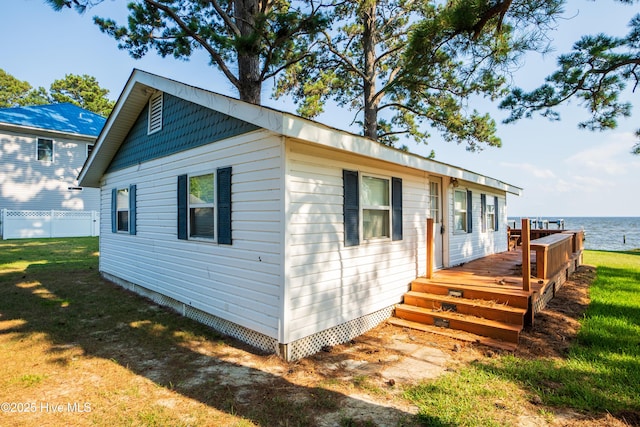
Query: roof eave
x=141 y=85
x=32 y=129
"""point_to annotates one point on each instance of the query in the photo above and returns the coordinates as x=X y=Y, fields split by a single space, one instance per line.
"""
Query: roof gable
x=185 y=125
x=66 y=118
x=142 y=85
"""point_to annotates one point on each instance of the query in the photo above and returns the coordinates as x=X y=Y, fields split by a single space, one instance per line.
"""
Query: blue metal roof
x=65 y=117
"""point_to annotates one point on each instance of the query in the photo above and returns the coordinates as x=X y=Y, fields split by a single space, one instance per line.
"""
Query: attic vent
x=155 y=113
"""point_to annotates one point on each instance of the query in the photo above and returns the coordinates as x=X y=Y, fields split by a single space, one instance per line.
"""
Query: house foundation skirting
x=556 y=282
x=255 y=339
x=290 y=352
x=333 y=336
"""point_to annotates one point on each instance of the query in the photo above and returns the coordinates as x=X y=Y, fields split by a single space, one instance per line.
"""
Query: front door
x=435 y=212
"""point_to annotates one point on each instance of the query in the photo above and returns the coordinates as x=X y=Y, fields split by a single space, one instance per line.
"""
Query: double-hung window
x=376 y=209
x=489 y=208
x=491 y=214
x=202 y=206
x=372 y=208
x=122 y=210
x=460 y=211
x=45 y=150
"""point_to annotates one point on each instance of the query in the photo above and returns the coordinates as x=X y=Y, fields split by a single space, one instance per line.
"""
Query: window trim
x=223 y=189
x=132 y=210
x=490 y=218
x=352 y=209
x=464 y=211
x=38 y=150
x=213 y=205
x=384 y=208
x=119 y=209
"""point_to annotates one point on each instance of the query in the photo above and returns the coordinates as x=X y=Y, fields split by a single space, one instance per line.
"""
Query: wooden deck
x=484 y=297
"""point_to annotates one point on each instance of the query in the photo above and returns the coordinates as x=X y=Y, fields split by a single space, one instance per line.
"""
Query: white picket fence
x=34 y=224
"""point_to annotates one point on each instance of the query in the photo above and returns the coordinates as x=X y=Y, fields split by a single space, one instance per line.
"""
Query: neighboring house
x=285 y=233
x=42 y=150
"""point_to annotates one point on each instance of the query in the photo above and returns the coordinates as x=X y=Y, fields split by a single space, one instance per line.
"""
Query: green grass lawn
x=600 y=375
x=70 y=337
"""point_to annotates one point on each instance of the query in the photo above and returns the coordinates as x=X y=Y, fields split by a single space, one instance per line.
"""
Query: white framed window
x=434 y=201
x=155 y=113
x=491 y=214
x=376 y=207
x=460 y=211
x=45 y=150
x=122 y=210
x=202 y=218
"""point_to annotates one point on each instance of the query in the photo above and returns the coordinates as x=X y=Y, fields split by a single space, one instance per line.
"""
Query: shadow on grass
x=602 y=370
x=73 y=306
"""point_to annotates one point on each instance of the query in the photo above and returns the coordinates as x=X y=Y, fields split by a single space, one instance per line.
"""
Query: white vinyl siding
x=29 y=184
x=464 y=247
x=328 y=283
x=241 y=282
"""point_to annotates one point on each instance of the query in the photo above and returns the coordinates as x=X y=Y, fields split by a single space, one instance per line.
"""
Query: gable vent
x=155 y=113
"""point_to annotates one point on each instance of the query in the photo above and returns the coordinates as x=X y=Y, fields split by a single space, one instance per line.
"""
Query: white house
x=43 y=149
x=285 y=233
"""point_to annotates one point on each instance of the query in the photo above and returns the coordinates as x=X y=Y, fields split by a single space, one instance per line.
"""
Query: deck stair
x=496 y=311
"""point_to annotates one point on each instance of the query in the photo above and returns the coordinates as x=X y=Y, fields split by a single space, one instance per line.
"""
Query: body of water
x=602 y=233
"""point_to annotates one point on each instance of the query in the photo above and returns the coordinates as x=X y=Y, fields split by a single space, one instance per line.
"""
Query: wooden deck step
x=476 y=325
x=458 y=335
x=477 y=308
x=500 y=294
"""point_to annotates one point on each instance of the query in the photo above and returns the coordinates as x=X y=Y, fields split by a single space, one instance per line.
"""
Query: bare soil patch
x=74 y=339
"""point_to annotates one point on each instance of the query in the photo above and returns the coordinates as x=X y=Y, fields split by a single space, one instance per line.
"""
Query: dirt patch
x=552 y=334
x=72 y=339
x=556 y=327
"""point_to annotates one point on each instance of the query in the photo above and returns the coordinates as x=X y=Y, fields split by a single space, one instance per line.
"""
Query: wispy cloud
x=612 y=157
x=529 y=168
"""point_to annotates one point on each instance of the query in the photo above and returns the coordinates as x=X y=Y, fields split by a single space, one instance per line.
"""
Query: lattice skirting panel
x=246 y=335
x=556 y=283
x=293 y=351
x=333 y=336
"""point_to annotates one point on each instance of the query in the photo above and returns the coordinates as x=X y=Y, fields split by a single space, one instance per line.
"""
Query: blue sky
x=564 y=171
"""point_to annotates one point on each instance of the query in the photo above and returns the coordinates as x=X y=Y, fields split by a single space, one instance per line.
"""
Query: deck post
x=526 y=255
x=431 y=245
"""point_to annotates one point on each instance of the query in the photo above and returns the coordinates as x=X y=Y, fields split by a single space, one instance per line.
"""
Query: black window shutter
x=224 y=205
x=496 y=213
x=483 y=212
x=182 y=207
x=132 y=209
x=469 y=212
x=396 y=208
x=114 y=210
x=351 y=208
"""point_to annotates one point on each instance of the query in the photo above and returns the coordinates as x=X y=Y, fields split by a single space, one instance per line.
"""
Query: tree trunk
x=249 y=82
x=368 y=16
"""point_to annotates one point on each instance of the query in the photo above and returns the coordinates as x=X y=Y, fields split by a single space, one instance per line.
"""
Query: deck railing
x=553 y=249
x=552 y=253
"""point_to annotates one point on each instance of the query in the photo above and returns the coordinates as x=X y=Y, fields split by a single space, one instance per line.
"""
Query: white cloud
x=529 y=168
x=611 y=157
